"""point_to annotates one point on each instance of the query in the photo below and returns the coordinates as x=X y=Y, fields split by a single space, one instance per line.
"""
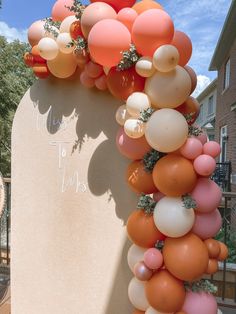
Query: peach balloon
x=63 y=66
x=165 y=58
x=101 y=83
x=144 y=67
x=127 y=16
x=36 y=32
x=107 y=40
x=94 y=13
x=86 y=80
x=145 y=5
x=204 y=165
x=193 y=77
x=152 y=29
x=213 y=248
x=184 y=45
x=212 y=267
x=60 y=10
x=212 y=149
x=94 y=70
x=117 y=4
x=191 y=149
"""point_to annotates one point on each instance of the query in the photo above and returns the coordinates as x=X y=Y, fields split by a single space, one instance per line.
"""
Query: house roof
x=207 y=90
x=226 y=39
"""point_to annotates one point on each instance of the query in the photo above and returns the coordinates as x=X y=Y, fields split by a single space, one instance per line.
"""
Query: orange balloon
x=174 y=175
x=193 y=77
x=181 y=312
x=165 y=293
x=41 y=71
x=139 y=180
x=75 y=30
x=186 y=258
x=184 y=45
x=142 y=230
x=224 y=252
x=36 y=55
x=213 y=248
x=212 y=267
x=145 y=5
x=28 y=59
x=122 y=84
x=190 y=108
x=152 y=29
x=138 y=312
x=60 y=10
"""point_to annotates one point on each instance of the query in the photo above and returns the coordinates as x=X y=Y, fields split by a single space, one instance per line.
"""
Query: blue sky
x=202 y=20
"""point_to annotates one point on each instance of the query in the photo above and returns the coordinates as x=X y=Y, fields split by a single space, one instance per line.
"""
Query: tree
x=15 y=79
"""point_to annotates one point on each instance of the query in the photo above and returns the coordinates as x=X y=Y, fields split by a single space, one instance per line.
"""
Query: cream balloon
x=144 y=67
x=172 y=209
x=169 y=90
x=122 y=115
x=134 y=128
x=48 y=48
x=63 y=41
x=151 y=310
x=137 y=295
x=63 y=66
x=66 y=23
x=135 y=255
x=136 y=103
x=166 y=130
x=166 y=58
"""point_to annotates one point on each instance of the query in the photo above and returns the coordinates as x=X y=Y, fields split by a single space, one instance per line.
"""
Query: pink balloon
x=207 y=195
x=86 y=80
x=142 y=272
x=127 y=16
x=199 y=303
x=153 y=259
x=101 y=83
x=133 y=149
x=36 y=32
x=212 y=149
x=107 y=40
x=207 y=225
x=158 y=196
x=59 y=10
x=191 y=149
x=93 y=70
x=204 y=165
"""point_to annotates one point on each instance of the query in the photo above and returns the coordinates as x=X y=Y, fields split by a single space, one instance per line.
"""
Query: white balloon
x=151 y=310
x=66 y=23
x=166 y=130
x=48 y=48
x=166 y=58
x=144 y=67
x=172 y=218
x=134 y=128
x=137 y=295
x=136 y=103
x=63 y=41
x=135 y=255
x=122 y=115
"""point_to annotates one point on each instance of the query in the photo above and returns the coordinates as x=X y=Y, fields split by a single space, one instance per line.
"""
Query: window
x=223 y=143
x=200 y=117
x=210 y=105
x=211 y=137
x=227 y=74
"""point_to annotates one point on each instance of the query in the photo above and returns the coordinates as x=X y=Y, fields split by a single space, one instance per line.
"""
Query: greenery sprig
x=151 y=158
x=78 y=8
x=146 y=114
x=159 y=245
x=147 y=204
x=195 y=131
x=201 y=286
x=189 y=116
x=50 y=26
x=130 y=58
x=189 y=202
x=80 y=44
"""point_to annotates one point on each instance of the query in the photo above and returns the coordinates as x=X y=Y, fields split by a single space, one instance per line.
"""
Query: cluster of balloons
x=158 y=114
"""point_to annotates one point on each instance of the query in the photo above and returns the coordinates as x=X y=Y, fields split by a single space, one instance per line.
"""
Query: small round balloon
x=122 y=115
x=86 y=80
x=204 y=165
x=212 y=149
x=135 y=255
x=191 y=149
x=213 y=248
x=224 y=252
x=48 y=48
x=134 y=128
x=94 y=70
x=165 y=58
x=136 y=292
x=144 y=67
x=136 y=103
x=142 y=272
x=153 y=259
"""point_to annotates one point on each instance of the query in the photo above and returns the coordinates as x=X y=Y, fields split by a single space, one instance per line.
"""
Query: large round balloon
x=122 y=84
x=174 y=175
x=166 y=130
x=186 y=258
x=201 y=302
x=63 y=66
x=136 y=292
x=142 y=230
x=60 y=10
x=94 y=13
x=152 y=29
x=135 y=255
x=170 y=209
x=168 y=90
x=145 y=5
x=36 y=32
x=184 y=45
x=165 y=293
x=117 y=4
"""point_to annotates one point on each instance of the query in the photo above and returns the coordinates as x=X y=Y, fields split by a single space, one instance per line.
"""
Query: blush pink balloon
x=133 y=149
x=142 y=272
x=199 y=303
x=158 y=196
x=101 y=83
x=60 y=10
x=191 y=149
x=207 y=195
x=212 y=149
x=153 y=259
x=93 y=70
x=204 y=165
x=127 y=16
x=86 y=80
x=36 y=32
x=207 y=225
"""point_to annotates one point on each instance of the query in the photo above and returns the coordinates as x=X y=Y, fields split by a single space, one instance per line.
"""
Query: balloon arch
x=134 y=51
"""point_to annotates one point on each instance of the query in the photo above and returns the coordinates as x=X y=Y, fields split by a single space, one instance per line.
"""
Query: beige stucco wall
x=69 y=203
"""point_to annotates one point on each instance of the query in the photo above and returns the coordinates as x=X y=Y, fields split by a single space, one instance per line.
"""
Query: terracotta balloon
x=196 y=303
x=142 y=230
x=94 y=13
x=135 y=255
x=142 y=272
x=133 y=149
x=190 y=109
x=75 y=30
x=165 y=293
x=152 y=29
x=213 y=247
x=36 y=32
x=28 y=59
x=212 y=267
x=136 y=293
x=86 y=80
x=93 y=69
x=36 y=55
x=224 y=252
x=127 y=16
x=193 y=77
x=41 y=71
x=212 y=149
x=122 y=84
x=174 y=175
x=101 y=83
x=60 y=10
x=184 y=45
x=168 y=90
x=185 y=258
x=144 y=67
x=145 y=5
x=204 y=165
x=63 y=66
x=117 y=4
x=191 y=149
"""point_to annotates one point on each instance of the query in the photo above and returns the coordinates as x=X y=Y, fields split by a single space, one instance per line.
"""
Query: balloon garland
x=134 y=51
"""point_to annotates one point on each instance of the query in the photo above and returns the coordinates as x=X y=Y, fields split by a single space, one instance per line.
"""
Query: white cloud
x=12 y=33
x=202 y=82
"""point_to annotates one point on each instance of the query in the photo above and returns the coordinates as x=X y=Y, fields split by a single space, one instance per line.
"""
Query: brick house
x=224 y=61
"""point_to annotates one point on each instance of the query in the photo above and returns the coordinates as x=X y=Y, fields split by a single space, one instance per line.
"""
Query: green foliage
x=147 y=204
x=15 y=79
